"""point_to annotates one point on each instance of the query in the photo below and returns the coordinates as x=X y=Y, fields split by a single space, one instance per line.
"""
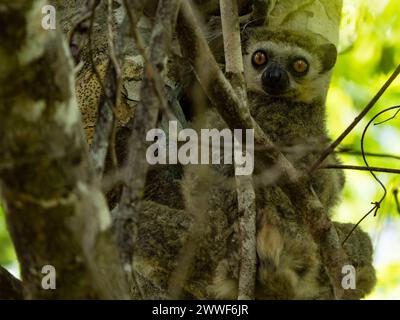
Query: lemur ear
x=328 y=55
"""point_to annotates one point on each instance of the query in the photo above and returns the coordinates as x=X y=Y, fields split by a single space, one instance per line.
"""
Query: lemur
x=287 y=75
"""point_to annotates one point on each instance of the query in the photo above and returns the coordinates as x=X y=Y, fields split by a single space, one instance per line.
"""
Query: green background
x=370 y=51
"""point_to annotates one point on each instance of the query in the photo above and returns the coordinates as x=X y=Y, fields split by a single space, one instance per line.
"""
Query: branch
x=296 y=186
x=55 y=211
x=244 y=185
x=356 y=121
x=377 y=204
x=350 y=151
x=146 y=114
x=359 y=168
x=10 y=287
x=104 y=137
x=247 y=224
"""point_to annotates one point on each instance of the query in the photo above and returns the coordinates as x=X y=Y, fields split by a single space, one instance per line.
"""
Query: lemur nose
x=275 y=80
x=275 y=75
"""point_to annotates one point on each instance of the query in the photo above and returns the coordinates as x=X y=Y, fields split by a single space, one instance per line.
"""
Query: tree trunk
x=55 y=210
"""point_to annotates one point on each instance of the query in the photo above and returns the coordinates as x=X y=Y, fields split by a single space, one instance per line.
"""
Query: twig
x=350 y=151
x=116 y=62
x=374 y=209
x=360 y=168
x=91 y=53
x=369 y=106
x=377 y=204
x=244 y=184
x=150 y=65
x=105 y=130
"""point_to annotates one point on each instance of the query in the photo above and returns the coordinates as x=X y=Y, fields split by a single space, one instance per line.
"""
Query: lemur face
x=278 y=66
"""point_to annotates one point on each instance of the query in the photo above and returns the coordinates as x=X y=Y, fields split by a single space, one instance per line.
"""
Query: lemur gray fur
x=290 y=107
x=287 y=75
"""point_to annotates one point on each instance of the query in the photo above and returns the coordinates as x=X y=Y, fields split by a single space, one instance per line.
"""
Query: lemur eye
x=259 y=58
x=300 y=66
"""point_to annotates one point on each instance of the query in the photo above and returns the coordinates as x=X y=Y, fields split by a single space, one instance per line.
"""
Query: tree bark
x=244 y=184
x=55 y=211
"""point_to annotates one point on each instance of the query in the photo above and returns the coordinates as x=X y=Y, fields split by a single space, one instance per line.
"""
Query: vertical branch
x=244 y=184
x=104 y=138
x=152 y=100
x=55 y=211
x=247 y=225
x=231 y=36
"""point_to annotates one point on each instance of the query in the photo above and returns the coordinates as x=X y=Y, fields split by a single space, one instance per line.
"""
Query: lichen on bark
x=44 y=164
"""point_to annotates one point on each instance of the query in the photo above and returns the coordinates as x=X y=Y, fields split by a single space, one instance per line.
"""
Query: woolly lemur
x=287 y=75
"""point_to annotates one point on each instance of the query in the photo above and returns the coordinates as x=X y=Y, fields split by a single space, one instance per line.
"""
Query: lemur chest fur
x=286 y=122
x=286 y=75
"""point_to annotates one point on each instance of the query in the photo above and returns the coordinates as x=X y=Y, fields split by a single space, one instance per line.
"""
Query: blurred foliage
x=370 y=50
x=369 y=53
x=7 y=254
x=389 y=279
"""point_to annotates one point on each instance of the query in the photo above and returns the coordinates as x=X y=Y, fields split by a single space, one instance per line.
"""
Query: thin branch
x=369 y=106
x=91 y=51
x=360 y=168
x=115 y=54
x=105 y=130
x=350 y=151
x=152 y=94
x=244 y=184
x=146 y=114
x=247 y=224
x=377 y=204
x=374 y=209
x=150 y=65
